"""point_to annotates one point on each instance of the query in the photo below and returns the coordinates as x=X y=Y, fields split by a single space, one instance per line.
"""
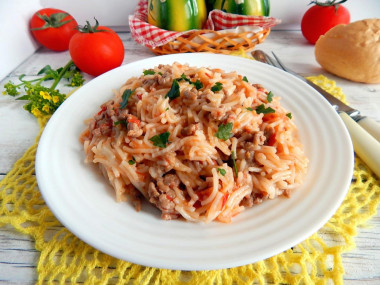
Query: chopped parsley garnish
x=262 y=110
x=160 y=140
x=198 y=84
x=123 y=123
x=249 y=109
x=183 y=77
x=149 y=72
x=217 y=87
x=289 y=115
x=222 y=171
x=132 y=161
x=270 y=96
x=125 y=97
x=234 y=163
x=245 y=79
x=174 y=91
x=224 y=131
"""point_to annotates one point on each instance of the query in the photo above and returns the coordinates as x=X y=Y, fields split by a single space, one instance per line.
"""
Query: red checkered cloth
x=152 y=36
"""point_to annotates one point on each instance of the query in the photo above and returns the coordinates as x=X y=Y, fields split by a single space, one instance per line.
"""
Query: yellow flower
x=37 y=113
x=55 y=99
x=45 y=95
x=46 y=108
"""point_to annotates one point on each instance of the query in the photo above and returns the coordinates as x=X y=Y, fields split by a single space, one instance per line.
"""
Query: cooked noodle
x=222 y=145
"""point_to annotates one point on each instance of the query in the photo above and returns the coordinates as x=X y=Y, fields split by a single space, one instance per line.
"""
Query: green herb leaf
x=183 y=77
x=217 y=87
x=233 y=156
x=125 y=97
x=262 y=110
x=25 y=97
x=249 y=109
x=289 y=115
x=270 y=96
x=123 y=123
x=45 y=70
x=198 y=84
x=21 y=77
x=160 y=140
x=174 y=91
x=50 y=73
x=222 y=171
x=149 y=72
x=224 y=131
x=245 y=79
x=132 y=161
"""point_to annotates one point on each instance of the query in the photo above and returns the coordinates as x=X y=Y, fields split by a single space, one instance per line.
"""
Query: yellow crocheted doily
x=66 y=259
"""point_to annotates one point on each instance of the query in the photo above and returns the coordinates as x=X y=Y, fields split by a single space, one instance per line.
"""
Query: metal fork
x=276 y=62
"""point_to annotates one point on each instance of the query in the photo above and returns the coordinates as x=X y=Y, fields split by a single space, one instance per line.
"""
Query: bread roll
x=352 y=51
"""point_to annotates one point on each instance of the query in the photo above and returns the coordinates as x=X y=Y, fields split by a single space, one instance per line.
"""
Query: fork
x=365 y=145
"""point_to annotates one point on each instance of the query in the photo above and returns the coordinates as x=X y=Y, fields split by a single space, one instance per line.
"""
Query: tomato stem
x=90 y=29
x=53 y=21
x=328 y=3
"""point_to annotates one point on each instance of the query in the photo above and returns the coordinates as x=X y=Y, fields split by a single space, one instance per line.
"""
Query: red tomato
x=320 y=18
x=53 y=28
x=96 y=50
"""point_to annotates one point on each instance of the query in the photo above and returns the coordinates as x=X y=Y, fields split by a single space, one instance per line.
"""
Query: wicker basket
x=213 y=41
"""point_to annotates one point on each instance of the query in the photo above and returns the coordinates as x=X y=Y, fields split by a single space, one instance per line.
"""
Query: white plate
x=84 y=202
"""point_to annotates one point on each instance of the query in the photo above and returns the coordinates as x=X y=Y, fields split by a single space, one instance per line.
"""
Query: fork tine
x=279 y=62
x=264 y=57
x=271 y=61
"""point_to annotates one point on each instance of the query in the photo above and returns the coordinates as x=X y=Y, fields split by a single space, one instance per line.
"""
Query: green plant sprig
x=44 y=100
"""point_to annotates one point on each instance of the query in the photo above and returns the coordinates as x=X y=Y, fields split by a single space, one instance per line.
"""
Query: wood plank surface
x=18 y=129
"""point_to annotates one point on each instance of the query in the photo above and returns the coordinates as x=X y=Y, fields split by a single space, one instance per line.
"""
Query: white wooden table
x=18 y=129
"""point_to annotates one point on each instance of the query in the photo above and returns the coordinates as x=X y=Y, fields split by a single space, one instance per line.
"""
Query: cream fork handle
x=371 y=126
x=365 y=145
